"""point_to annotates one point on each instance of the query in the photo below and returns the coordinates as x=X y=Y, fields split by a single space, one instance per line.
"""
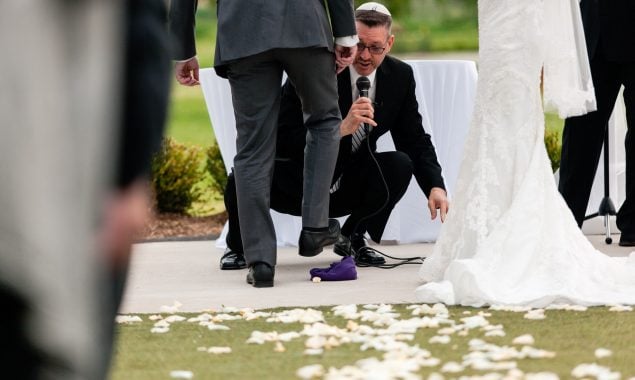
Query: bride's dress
x=510 y=238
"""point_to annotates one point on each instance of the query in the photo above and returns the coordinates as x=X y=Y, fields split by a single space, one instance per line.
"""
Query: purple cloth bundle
x=338 y=271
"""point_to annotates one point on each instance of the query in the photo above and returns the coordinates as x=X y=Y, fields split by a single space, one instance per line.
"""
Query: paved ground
x=188 y=272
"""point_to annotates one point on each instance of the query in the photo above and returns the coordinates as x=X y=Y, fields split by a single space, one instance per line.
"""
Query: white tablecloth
x=445 y=92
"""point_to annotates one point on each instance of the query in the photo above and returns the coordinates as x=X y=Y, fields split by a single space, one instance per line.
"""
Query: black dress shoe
x=232 y=260
x=312 y=242
x=342 y=246
x=627 y=240
x=364 y=255
x=261 y=275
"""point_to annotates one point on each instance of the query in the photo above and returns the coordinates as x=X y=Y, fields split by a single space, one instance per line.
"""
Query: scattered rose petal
x=620 y=308
x=279 y=347
x=452 y=367
x=535 y=314
x=128 y=319
x=216 y=350
x=310 y=372
x=180 y=374
x=441 y=339
x=525 y=340
x=171 y=309
x=159 y=330
x=603 y=353
x=594 y=370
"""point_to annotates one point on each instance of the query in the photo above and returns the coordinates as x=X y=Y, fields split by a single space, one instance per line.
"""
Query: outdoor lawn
x=379 y=342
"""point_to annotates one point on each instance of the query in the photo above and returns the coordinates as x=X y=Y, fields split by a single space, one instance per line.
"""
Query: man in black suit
x=358 y=188
x=610 y=37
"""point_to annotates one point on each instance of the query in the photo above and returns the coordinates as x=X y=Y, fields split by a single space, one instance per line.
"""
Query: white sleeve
x=348 y=41
x=568 y=86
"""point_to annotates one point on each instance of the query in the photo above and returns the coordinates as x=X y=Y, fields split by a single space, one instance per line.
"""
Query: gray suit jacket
x=249 y=27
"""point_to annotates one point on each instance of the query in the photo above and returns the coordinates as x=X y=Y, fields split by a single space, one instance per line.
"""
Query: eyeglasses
x=374 y=50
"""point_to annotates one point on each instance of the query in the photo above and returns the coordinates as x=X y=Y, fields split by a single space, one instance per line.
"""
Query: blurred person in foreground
x=78 y=79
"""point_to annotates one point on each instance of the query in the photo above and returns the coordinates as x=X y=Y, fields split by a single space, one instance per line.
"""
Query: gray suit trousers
x=256 y=84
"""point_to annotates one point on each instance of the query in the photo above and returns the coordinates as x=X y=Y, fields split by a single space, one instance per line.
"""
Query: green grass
x=573 y=336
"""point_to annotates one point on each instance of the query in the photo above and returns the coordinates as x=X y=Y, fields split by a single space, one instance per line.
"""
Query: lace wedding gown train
x=510 y=237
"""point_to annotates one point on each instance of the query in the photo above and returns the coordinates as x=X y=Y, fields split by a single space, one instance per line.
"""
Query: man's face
x=374 y=38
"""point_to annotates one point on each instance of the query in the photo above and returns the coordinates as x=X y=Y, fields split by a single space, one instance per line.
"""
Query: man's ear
x=391 y=40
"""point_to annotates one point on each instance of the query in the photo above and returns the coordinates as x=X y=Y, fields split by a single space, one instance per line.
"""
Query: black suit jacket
x=396 y=111
x=609 y=27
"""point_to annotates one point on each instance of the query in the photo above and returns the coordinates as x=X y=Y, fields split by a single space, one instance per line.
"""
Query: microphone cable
x=399 y=260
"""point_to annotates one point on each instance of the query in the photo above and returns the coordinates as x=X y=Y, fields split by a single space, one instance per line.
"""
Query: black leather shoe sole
x=312 y=243
x=260 y=275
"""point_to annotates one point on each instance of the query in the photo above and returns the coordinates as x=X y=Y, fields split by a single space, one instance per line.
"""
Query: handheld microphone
x=363 y=86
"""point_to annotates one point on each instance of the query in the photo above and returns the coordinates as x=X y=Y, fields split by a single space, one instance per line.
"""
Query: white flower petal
x=180 y=374
x=310 y=372
x=128 y=319
x=603 y=353
x=217 y=350
x=525 y=340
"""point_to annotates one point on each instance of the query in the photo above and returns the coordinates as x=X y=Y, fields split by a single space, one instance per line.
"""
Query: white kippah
x=373 y=6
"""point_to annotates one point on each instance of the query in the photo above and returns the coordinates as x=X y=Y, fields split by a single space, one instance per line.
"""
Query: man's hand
x=125 y=215
x=361 y=112
x=187 y=72
x=344 y=56
x=438 y=200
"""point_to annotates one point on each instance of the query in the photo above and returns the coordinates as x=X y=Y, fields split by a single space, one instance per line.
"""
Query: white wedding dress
x=509 y=237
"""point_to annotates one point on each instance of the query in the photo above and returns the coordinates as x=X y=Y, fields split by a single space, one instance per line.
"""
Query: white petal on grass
x=525 y=340
x=541 y=376
x=620 y=308
x=452 y=367
x=128 y=319
x=495 y=333
x=535 y=353
x=297 y=315
x=441 y=339
x=230 y=309
x=174 y=318
x=313 y=351
x=217 y=350
x=279 y=347
x=155 y=317
x=180 y=374
x=171 y=309
x=213 y=326
x=435 y=376
x=446 y=331
x=309 y=372
x=159 y=330
x=567 y=307
x=162 y=323
x=201 y=318
x=535 y=314
x=599 y=372
x=603 y=353
x=512 y=308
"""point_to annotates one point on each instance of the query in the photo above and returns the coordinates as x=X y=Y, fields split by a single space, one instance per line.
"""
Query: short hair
x=372 y=18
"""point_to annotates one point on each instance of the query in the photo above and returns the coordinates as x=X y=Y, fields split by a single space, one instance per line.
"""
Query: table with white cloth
x=445 y=92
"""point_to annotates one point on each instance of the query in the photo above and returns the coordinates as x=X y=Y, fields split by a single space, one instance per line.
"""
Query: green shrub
x=554 y=148
x=176 y=168
x=216 y=169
